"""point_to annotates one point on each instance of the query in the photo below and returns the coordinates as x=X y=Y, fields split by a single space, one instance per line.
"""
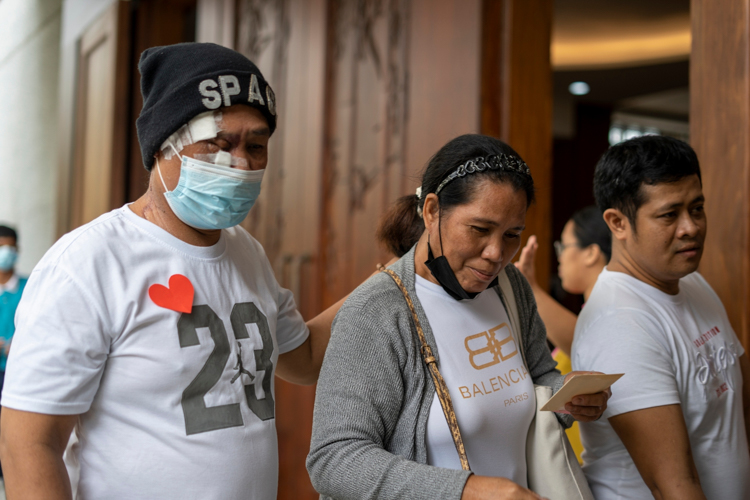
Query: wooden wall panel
x=443 y=78
x=155 y=23
x=720 y=134
x=287 y=40
x=516 y=93
x=364 y=141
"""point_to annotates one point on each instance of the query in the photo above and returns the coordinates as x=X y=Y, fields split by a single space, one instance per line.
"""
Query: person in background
x=11 y=288
x=583 y=250
x=676 y=428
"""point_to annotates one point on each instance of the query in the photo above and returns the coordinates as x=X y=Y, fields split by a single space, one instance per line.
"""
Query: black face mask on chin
x=443 y=273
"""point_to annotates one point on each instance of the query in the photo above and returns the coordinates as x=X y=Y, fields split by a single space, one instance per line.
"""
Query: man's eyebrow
x=698 y=199
x=258 y=132
x=263 y=131
x=226 y=135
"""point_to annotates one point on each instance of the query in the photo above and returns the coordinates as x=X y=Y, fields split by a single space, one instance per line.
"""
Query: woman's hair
x=401 y=227
x=590 y=229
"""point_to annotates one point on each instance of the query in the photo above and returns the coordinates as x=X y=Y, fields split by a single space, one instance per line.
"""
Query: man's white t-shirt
x=673 y=349
x=169 y=407
x=491 y=390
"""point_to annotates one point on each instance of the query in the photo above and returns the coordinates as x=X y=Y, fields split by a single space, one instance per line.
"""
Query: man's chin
x=685 y=269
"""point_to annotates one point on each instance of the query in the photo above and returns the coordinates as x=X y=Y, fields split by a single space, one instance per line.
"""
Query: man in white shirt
x=154 y=332
x=676 y=426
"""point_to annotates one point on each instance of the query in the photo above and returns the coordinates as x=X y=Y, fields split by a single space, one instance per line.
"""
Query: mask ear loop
x=440 y=233
x=158 y=169
x=440 y=236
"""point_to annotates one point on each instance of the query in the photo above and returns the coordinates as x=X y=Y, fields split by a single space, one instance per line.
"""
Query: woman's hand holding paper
x=587 y=407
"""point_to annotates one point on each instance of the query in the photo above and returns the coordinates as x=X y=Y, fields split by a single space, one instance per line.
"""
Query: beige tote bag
x=552 y=467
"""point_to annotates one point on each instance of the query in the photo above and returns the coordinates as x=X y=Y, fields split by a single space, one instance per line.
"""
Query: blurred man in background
x=11 y=287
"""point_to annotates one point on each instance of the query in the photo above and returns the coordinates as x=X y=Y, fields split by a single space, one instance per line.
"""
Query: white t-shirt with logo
x=173 y=405
x=673 y=349
x=492 y=392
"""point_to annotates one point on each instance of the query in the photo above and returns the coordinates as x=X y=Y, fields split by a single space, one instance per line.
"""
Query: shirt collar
x=10 y=285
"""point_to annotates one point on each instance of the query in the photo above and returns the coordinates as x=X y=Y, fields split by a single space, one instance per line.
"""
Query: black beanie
x=181 y=81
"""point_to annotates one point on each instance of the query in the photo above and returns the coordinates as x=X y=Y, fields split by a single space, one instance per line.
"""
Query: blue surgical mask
x=8 y=257
x=210 y=196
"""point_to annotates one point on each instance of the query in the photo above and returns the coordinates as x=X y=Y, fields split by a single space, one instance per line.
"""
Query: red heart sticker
x=178 y=297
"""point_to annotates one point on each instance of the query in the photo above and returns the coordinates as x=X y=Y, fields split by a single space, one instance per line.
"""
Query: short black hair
x=589 y=228
x=8 y=232
x=650 y=159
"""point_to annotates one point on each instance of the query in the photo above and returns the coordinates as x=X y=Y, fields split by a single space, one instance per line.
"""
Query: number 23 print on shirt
x=198 y=417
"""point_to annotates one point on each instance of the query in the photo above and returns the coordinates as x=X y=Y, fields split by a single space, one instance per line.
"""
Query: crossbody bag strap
x=442 y=390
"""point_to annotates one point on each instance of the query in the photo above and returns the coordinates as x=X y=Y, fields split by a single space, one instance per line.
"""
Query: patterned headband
x=480 y=164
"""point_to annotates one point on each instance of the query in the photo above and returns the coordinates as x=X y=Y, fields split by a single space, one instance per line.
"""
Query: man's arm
x=31 y=451
x=657 y=440
x=745 y=367
x=302 y=365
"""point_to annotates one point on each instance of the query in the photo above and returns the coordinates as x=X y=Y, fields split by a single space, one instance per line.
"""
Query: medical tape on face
x=202 y=127
x=223 y=158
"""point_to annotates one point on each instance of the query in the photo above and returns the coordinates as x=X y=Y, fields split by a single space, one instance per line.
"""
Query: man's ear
x=618 y=223
x=431 y=210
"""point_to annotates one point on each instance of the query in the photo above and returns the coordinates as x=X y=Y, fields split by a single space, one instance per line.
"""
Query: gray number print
x=248 y=313
x=198 y=417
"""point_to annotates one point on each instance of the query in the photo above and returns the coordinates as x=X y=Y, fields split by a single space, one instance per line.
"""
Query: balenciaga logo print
x=486 y=350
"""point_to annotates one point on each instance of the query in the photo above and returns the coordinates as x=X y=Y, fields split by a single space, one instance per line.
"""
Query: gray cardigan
x=374 y=394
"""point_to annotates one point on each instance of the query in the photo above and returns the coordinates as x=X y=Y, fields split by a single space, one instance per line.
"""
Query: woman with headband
x=384 y=424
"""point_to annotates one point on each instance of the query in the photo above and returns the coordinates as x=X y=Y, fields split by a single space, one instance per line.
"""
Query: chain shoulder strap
x=442 y=390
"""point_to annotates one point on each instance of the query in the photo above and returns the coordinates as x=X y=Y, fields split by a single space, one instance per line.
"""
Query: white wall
x=29 y=55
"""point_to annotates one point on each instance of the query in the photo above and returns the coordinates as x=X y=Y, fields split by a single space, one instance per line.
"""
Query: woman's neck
x=420 y=257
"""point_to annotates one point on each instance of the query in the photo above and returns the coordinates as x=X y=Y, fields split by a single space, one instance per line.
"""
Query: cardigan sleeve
x=360 y=397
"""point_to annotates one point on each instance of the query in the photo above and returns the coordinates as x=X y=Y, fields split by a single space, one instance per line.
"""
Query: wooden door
x=719 y=132
x=98 y=153
x=154 y=23
x=516 y=99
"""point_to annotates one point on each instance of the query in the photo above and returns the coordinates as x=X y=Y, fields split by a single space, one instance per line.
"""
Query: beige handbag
x=552 y=467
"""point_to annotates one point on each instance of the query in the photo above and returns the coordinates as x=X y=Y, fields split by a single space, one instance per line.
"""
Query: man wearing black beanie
x=154 y=332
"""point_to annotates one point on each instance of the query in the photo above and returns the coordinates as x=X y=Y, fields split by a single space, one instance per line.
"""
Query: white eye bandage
x=202 y=127
x=222 y=158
